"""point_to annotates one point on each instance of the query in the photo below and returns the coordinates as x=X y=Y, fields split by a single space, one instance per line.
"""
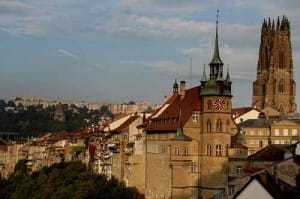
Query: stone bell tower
x=274 y=86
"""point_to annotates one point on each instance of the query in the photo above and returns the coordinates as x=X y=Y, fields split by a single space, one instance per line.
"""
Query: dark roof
x=168 y=119
x=126 y=123
x=256 y=123
x=278 y=190
x=273 y=152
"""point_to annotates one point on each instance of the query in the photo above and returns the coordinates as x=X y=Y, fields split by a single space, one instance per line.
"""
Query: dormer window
x=195 y=117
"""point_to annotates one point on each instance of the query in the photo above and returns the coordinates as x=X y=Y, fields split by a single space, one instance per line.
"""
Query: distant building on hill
x=59 y=114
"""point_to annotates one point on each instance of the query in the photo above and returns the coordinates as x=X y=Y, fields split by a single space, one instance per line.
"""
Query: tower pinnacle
x=216 y=57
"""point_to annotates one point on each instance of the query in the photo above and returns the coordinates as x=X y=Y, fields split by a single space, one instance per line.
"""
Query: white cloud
x=67 y=53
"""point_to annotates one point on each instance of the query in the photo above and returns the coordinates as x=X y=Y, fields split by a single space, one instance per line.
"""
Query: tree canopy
x=63 y=180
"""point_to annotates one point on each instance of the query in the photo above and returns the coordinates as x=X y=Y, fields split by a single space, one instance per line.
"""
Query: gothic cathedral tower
x=215 y=123
x=274 y=86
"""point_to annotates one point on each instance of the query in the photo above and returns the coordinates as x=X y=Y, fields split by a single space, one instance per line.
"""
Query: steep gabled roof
x=126 y=123
x=273 y=152
x=256 y=123
x=166 y=118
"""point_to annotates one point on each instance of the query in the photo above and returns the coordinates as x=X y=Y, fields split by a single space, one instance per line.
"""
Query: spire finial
x=216 y=57
x=228 y=75
x=204 y=78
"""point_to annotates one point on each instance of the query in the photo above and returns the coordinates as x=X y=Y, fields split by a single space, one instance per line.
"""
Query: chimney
x=182 y=89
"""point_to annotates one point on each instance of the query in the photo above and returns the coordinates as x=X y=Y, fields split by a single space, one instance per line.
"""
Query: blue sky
x=121 y=50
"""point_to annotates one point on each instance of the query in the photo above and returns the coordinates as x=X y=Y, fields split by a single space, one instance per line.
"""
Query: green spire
x=179 y=134
x=216 y=58
x=204 y=78
x=228 y=75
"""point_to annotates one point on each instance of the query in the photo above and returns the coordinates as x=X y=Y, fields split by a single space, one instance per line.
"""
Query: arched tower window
x=218 y=150
x=209 y=105
x=208 y=150
x=281 y=59
x=208 y=124
x=281 y=86
x=219 y=126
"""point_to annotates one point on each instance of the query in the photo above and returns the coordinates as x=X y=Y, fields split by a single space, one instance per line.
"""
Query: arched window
x=208 y=150
x=219 y=126
x=227 y=149
x=208 y=124
x=218 y=150
x=209 y=105
x=281 y=59
x=281 y=86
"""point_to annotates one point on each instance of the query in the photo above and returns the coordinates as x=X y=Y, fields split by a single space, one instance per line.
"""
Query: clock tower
x=215 y=123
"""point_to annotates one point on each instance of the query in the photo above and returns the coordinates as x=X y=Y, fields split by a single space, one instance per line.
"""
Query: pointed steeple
x=219 y=77
x=273 y=25
x=175 y=86
x=216 y=57
x=204 y=78
x=278 y=24
x=228 y=75
x=179 y=133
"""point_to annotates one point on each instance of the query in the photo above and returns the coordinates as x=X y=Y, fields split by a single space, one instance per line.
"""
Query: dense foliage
x=63 y=180
x=36 y=120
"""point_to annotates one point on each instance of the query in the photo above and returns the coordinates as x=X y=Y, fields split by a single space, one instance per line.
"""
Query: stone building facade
x=189 y=137
x=275 y=86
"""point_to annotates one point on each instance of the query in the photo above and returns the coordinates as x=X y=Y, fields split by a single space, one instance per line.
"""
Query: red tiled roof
x=168 y=118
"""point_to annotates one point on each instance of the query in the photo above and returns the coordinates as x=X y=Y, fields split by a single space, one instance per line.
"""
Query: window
x=251 y=132
x=218 y=150
x=176 y=150
x=282 y=141
x=163 y=149
x=286 y=142
x=276 y=141
x=294 y=132
x=209 y=105
x=285 y=132
x=231 y=190
x=195 y=117
x=219 y=126
x=238 y=170
x=276 y=132
x=281 y=59
x=208 y=125
x=186 y=151
x=281 y=86
x=261 y=144
x=239 y=151
x=241 y=119
x=193 y=167
x=208 y=150
x=260 y=132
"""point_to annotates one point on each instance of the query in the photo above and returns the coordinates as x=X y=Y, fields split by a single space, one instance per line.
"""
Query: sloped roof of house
x=126 y=123
x=166 y=117
x=235 y=142
x=278 y=190
x=257 y=123
x=273 y=152
x=240 y=111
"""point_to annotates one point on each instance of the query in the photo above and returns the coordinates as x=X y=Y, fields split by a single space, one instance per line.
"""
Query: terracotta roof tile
x=168 y=118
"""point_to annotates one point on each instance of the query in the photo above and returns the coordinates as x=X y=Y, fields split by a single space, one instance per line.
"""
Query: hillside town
x=194 y=145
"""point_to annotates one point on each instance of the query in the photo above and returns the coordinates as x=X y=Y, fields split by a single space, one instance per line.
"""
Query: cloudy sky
x=121 y=50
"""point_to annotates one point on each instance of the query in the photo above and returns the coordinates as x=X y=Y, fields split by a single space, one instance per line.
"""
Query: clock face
x=219 y=104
